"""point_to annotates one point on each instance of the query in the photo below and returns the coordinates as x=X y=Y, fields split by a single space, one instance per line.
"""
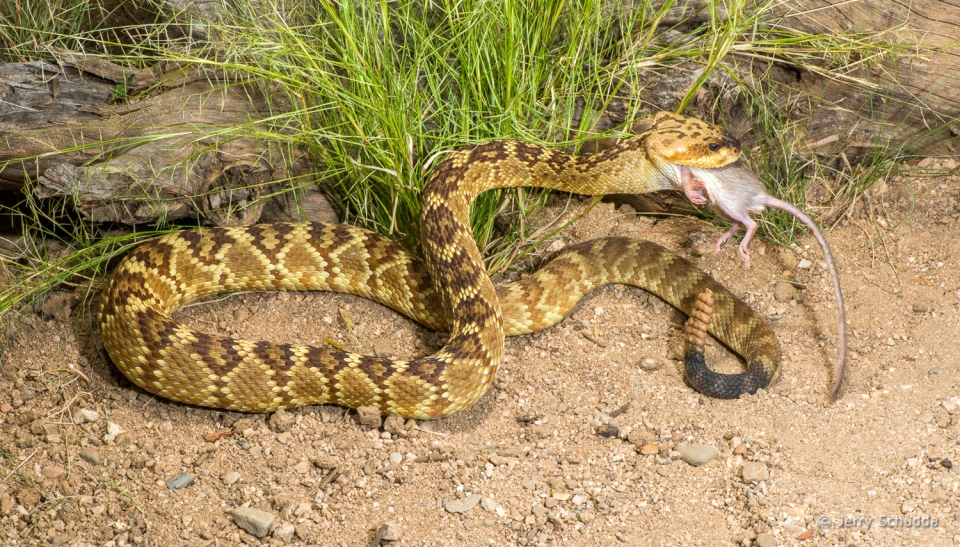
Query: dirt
x=551 y=455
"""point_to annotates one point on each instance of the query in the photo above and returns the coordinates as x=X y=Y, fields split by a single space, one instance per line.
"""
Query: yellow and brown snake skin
x=449 y=291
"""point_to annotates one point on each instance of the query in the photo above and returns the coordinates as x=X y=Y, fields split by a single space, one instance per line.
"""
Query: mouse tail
x=838 y=383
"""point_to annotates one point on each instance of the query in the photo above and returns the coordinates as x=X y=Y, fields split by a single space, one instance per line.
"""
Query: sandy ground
x=85 y=458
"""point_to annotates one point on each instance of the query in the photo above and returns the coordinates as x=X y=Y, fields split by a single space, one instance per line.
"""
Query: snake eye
x=713 y=146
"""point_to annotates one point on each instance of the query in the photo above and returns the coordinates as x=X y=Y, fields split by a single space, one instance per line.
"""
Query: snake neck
x=625 y=168
x=455 y=262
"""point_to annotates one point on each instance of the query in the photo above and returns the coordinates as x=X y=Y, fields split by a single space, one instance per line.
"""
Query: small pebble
x=766 y=539
x=230 y=478
x=697 y=454
x=181 y=480
x=396 y=457
x=936 y=370
x=166 y=426
x=85 y=415
x=488 y=504
x=608 y=430
x=90 y=455
x=463 y=505
x=908 y=507
x=369 y=416
x=650 y=364
x=784 y=292
x=789 y=260
x=648 y=449
x=393 y=532
x=254 y=521
x=755 y=472
x=284 y=532
x=804 y=264
x=53 y=472
x=393 y=425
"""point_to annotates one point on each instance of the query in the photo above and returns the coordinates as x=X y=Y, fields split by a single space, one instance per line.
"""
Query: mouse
x=734 y=192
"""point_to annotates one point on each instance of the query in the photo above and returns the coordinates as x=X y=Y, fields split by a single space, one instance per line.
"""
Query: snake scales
x=449 y=291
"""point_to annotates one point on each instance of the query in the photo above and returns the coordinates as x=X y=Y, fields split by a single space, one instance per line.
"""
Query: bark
x=155 y=159
x=915 y=103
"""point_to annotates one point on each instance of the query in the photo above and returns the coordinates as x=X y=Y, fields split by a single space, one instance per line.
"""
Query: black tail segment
x=722 y=386
x=713 y=384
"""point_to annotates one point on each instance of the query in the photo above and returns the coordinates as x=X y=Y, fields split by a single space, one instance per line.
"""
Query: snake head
x=682 y=140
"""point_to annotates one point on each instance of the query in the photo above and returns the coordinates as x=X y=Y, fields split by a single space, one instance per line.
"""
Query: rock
x=541 y=431
x=789 y=260
x=766 y=539
x=784 y=292
x=393 y=424
x=648 y=449
x=85 y=415
x=254 y=521
x=638 y=437
x=650 y=364
x=369 y=416
x=53 y=472
x=281 y=421
x=755 y=472
x=804 y=264
x=396 y=458
x=697 y=454
x=302 y=467
x=230 y=478
x=908 y=507
x=936 y=370
x=58 y=306
x=6 y=504
x=539 y=510
x=166 y=426
x=487 y=504
x=608 y=430
x=181 y=480
x=113 y=431
x=90 y=455
x=284 y=532
x=392 y=533
x=27 y=394
x=464 y=505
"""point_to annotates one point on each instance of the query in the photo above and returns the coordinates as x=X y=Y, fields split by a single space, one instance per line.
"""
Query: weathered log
x=913 y=105
x=151 y=160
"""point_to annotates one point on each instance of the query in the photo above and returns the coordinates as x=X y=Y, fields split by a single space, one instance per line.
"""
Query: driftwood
x=155 y=159
x=160 y=157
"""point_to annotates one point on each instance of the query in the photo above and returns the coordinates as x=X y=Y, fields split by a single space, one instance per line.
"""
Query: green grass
x=374 y=92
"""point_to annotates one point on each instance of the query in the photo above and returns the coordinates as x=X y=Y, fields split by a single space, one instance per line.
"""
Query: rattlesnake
x=449 y=291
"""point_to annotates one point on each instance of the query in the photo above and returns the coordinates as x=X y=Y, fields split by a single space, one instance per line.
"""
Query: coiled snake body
x=449 y=291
